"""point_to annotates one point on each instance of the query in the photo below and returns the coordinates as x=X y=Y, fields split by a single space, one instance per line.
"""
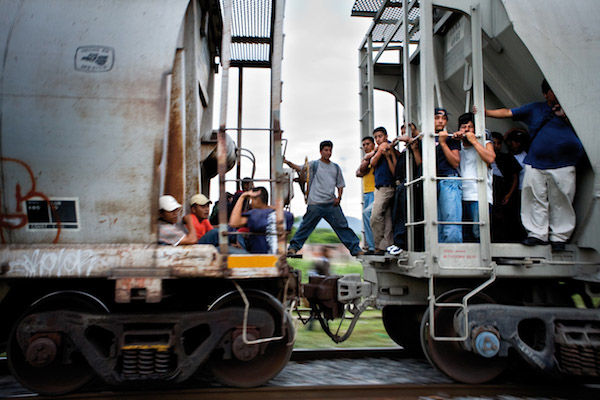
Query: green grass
x=368 y=332
x=336 y=268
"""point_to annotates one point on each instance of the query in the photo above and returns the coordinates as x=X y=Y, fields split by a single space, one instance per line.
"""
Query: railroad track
x=295 y=390
x=350 y=392
x=311 y=354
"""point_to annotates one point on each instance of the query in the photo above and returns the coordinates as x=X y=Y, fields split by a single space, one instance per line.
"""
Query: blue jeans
x=470 y=214
x=212 y=237
x=449 y=209
x=335 y=217
x=366 y=215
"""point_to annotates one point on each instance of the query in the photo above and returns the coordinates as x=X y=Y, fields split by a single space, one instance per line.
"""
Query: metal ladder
x=277 y=175
x=429 y=83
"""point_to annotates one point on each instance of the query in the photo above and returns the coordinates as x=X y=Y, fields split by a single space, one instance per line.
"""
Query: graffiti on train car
x=17 y=219
x=79 y=262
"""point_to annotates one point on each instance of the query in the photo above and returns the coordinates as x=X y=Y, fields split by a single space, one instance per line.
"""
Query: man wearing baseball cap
x=170 y=230
x=447 y=158
x=200 y=210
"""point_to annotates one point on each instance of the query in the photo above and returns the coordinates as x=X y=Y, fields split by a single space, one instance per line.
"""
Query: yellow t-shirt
x=369 y=181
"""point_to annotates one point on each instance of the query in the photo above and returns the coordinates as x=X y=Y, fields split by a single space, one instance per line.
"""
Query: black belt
x=382 y=186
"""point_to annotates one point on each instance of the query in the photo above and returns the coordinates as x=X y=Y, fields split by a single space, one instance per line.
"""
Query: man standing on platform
x=324 y=177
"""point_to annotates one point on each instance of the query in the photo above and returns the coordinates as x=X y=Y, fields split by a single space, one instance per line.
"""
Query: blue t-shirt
x=555 y=145
x=443 y=167
x=263 y=221
x=383 y=175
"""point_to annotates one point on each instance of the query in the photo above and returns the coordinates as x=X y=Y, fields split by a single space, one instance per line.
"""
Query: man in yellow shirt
x=368 y=180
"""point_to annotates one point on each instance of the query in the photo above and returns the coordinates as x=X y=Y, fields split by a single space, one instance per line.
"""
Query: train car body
x=104 y=106
x=470 y=306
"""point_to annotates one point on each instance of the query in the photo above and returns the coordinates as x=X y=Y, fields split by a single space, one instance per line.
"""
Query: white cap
x=199 y=199
x=168 y=203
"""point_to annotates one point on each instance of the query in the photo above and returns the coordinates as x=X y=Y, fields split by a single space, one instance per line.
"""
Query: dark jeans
x=399 y=216
x=335 y=217
x=212 y=237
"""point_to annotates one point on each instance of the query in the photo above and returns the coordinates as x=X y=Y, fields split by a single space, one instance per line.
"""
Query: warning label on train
x=43 y=214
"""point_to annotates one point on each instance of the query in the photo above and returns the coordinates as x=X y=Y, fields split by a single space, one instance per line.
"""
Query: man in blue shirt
x=549 y=182
x=384 y=162
x=447 y=157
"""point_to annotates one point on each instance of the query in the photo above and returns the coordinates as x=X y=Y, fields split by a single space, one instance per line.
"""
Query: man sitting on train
x=170 y=230
x=447 y=158
x=200 y=210
x=549 y=183
x=471 y=150
x=260 y=219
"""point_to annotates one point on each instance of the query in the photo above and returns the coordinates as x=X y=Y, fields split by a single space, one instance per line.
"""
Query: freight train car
x=105 y=106
x=470 y=307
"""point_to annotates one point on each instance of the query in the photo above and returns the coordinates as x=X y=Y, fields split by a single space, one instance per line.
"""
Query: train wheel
x=49 y=363
x=450 y=357
x=254 y=365
x=402 y=324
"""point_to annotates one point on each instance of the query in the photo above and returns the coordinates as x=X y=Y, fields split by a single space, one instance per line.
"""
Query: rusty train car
x=104 y=106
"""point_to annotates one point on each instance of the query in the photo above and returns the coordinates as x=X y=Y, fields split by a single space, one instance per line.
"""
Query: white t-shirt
x=468 y=169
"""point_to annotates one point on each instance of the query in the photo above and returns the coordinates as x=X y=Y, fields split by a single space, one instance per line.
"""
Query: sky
x=320 y=96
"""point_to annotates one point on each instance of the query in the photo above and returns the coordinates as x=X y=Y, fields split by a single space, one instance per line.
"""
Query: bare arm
x=293 y=166
x=379 y=152
x=499 y=113
x=392 y=160
x=338 y=199
x=486 y=153
x=513 y=186
x=413 y=144
x=453 y=156
x=190 y=237
x=364 y=168
x=236 y=220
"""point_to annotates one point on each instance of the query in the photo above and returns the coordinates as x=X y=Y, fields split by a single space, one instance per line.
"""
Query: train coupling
x=330 y=293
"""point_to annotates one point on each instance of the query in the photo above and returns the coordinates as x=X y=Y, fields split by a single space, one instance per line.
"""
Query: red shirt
x=201 y=226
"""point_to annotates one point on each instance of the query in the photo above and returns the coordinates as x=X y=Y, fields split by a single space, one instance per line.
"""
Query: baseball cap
x=441 y=111
x=168 y=203
x=199 y=199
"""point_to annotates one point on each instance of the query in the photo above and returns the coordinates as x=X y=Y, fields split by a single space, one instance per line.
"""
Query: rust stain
x=175 y=166
x=19 y=214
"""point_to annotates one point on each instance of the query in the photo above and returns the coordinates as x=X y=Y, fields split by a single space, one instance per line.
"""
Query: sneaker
x=292 y=252
x=359 y=253
x=395 y=250
x=558 y=246
x=533 y=241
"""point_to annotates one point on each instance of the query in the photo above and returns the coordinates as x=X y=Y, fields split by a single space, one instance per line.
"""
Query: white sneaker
x=394 y=250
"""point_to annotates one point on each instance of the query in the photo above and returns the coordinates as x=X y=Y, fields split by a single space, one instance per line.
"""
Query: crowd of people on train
x=529 y=182
x=251 y=221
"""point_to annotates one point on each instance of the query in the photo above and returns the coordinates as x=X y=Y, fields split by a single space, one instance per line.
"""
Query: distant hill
x=354 y=223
